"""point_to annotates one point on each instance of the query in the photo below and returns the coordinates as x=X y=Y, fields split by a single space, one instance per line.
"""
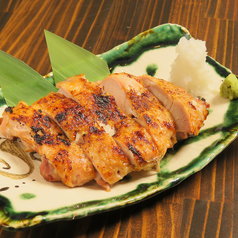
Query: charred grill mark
x=109 y=114
x=133 y=149
x=138 y=102
x=116 y=113
x=147 y=119
x=191 y=105
x=112 y=110
x=70 y=111
x=35 y=129
x=95 y=130
x=9 y=109
x=66 y=142
x=101 y=116
x=169 y=125
x=39 y=139
x=127 y=75
x=102 y=101
x=20 y=119
x=140 y=136
x=146 y=94
x=37 y=115
x=61 y=116
x=135 y=152
x=43 y=138
x=106 y=108
x=118 y=150
x=63 y=153
x=41 y=118
x=46 y=121
x=202 y=99
x=80 y=114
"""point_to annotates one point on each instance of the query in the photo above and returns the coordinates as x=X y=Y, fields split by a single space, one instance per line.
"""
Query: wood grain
x=204 y=205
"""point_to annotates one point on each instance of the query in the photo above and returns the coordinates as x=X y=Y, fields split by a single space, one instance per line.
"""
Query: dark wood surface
x=204 y=205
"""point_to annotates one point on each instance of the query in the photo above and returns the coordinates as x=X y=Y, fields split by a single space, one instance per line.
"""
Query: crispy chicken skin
x=132 y=138
x=77 y=123
x=85 y=93
x=140 y=104
x=70 y=116
x=61 y=160
x=188 y=113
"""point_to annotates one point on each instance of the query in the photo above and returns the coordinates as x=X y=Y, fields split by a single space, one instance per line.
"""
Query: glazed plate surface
x=26 y=199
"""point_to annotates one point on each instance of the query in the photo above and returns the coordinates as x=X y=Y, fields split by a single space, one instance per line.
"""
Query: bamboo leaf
x=68 y=59
x=19 y=81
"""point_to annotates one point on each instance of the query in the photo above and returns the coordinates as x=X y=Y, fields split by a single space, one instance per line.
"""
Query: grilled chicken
x=140 y=104
x=77 y=123
x=82 y=91
x=61 y=160
x=132 y=138
x=104 y=130
x=70 y=116
x=188 y=113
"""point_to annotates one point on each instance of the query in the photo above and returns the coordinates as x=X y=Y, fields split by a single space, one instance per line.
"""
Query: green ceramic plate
x=26 y=199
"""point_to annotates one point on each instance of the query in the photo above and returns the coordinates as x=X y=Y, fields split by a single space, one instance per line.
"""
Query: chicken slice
x=133 y=139
x=82 y=91
x=188 y=113
x=70 y=116
x=61 y=160
x=140 y=104
x=77 y=123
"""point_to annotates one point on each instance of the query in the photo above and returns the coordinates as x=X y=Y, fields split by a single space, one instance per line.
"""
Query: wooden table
x=204 y=205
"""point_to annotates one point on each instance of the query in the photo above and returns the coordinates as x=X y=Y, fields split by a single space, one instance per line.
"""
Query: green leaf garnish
x=20 y=82
x=68 y=60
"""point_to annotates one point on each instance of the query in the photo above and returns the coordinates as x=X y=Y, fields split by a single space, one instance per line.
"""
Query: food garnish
x=190 y=69
x=229 y=87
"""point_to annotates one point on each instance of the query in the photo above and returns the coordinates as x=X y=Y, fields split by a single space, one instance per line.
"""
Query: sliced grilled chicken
x=139 y=103
x=188 y=113
x=80 y=90
x=77 y=123
x=133 y=139
x=61 y=160
x=70 y=116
